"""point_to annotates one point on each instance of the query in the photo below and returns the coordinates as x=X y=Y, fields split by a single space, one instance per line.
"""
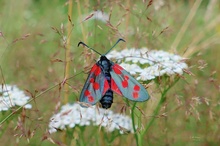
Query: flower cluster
x=11 y=95
x=149 y=64
x=72 y=115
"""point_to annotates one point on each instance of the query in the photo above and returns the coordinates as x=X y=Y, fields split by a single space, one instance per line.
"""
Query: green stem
x=82 y=139
x=133 y=123
x=157 y=109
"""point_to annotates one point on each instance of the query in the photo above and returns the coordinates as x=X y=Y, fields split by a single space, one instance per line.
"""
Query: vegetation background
x=34 y=39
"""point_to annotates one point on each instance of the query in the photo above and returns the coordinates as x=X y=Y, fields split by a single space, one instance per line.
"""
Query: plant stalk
x=67 y=55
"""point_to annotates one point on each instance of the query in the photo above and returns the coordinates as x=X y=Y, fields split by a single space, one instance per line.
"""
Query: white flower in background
x=150 y=73
x=98 y=15
x=11 y=96
x=158 y=4
x=149 y=64
x=132 y=68
x=72 y=115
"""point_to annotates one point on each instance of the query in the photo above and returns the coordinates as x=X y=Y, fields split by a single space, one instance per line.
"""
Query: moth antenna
x=114 y=45
x=88 y=47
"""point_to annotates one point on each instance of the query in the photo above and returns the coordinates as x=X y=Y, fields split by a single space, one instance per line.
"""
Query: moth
x=106 y=77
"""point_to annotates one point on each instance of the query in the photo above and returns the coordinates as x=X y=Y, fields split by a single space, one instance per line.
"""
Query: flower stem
x=157 y=109
x=133 y=123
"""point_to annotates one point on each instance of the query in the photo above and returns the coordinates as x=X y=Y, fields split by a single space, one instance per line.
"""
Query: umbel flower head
x=11 y=95
x=149 y=64
x=72 y=115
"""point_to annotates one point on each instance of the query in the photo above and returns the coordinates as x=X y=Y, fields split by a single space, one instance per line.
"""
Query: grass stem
x=185 y=25
x=67 y=55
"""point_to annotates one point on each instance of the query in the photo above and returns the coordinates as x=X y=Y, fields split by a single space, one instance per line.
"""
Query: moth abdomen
x=107 y=99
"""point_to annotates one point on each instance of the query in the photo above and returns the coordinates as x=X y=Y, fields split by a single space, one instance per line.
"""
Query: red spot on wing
x=117 y=69
x=93 y=68
x=97 y=71
x=106 y=87
x=137 y=88
x=92 y=80
x=96 y=85
x=135 y=94
x=118 y=66
x=90 y=98
x=87 y=93
x=115 y=88
x=124 y=84
x=126 y=77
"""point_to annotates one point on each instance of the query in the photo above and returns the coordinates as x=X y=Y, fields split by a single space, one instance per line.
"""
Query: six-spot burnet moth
x=106 y=77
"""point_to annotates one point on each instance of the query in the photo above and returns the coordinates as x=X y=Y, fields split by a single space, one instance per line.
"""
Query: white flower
x=72 y=115
x=98 y=15
x=114 y=54
x=149 y=64
x=158 y=4
x=11 y=96
x=150 y=73
x=132 y=68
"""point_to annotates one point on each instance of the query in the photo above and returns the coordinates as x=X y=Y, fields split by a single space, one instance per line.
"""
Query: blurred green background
x=32 y=56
